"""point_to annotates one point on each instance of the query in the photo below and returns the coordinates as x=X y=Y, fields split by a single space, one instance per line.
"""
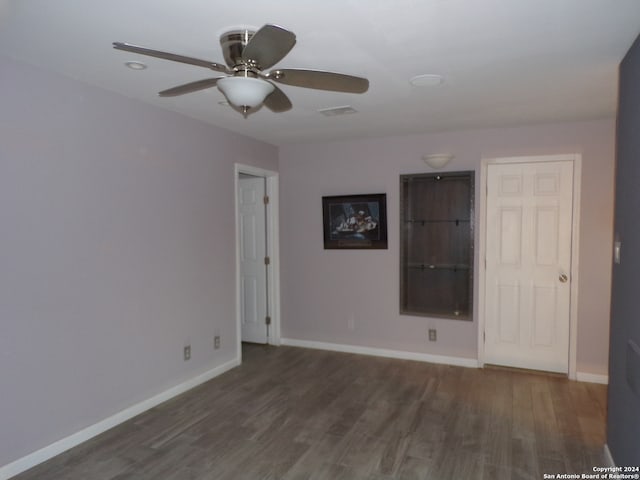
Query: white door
x=528 y=263
x=253 y=248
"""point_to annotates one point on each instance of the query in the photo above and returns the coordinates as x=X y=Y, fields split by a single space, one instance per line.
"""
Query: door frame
x=576 y=160
x=273 y=251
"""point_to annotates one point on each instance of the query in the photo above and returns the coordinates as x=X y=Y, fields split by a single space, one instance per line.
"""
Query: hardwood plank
x=296 y=414
x=413 y=468
x=361 y=452
x=325 y=451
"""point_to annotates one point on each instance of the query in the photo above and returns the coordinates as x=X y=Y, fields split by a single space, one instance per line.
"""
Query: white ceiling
x=505 y=62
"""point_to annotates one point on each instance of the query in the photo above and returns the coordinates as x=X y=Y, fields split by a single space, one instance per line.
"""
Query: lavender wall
x=323 y=289
x=117 y=248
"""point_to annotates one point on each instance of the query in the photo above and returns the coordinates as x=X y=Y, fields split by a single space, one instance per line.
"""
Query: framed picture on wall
x=355 y=221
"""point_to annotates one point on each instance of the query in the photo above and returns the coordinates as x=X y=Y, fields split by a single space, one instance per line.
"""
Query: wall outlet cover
x=433 y=335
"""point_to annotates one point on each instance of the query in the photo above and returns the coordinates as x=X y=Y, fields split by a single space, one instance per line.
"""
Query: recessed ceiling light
x=426 y=80
x=335 y=111
x=135 y=65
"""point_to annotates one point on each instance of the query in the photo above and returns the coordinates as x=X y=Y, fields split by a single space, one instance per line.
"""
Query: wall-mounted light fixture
x=437 y=160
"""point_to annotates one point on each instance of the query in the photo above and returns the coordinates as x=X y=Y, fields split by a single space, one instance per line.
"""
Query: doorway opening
x=257 y=256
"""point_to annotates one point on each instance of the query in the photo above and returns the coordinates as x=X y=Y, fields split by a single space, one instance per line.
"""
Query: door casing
x=273 y=242
x=576 y=160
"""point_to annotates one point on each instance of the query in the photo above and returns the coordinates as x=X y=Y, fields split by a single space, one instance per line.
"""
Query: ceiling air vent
x=335 y=111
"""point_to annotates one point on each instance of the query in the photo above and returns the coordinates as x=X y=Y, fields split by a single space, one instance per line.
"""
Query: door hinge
x=267 y=261
x=265 y=199
x=267 y=320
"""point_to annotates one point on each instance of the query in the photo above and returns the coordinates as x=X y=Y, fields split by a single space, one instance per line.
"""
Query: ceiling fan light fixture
x=246 y=85
x=245 y=92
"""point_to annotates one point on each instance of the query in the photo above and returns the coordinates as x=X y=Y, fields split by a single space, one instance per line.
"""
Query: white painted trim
x=56 y=448
x=608 y=458
x=576 y=159
x=575 y=270
x=482 y=266
x=273 y=220
x=383 y=352
x=273 y=250
x=592 y=378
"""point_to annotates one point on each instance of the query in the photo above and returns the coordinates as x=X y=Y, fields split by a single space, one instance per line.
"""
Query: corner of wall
x=64 y=444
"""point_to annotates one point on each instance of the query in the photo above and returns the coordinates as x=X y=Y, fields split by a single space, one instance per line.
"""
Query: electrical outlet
x=433 y=335
x=216 y=342
x=187 y=353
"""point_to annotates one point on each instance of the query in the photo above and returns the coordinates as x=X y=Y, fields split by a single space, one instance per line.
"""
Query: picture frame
x=355 y=221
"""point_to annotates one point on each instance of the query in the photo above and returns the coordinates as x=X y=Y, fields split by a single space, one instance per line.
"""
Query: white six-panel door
x=528 y=265
x=253 y=275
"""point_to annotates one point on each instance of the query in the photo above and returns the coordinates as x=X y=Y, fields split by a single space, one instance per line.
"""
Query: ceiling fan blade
x=127 y=47
x=321 y=80
x=190 y=87
x=269 y=45
x=277 y=101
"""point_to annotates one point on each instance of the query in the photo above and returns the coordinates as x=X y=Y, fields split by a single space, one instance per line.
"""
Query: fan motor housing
x=233 y=44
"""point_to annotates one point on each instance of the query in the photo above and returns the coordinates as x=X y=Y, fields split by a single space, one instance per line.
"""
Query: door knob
x=563 y=278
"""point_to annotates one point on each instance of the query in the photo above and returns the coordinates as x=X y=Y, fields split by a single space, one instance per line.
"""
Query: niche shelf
x=436 y=244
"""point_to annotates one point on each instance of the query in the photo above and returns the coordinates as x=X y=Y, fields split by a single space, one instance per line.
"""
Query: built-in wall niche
x=436 y=244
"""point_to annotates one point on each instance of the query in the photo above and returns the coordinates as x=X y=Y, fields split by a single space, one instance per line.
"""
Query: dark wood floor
x=291 y=413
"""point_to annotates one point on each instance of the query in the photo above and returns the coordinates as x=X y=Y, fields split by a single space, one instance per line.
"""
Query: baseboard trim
x=608 y=458
x=383 y=352
x=56 y=448
x=592 y=378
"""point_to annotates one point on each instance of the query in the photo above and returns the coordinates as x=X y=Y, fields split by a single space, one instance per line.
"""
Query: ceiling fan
x=246 y=85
